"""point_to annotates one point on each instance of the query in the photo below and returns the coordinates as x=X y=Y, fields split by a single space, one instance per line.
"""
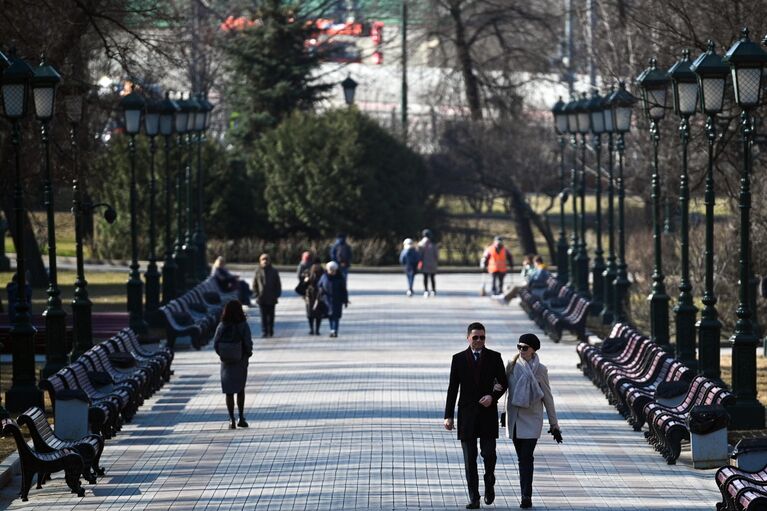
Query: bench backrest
x=37 y=424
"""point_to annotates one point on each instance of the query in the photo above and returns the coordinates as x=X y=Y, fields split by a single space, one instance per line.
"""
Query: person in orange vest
x=497 y=260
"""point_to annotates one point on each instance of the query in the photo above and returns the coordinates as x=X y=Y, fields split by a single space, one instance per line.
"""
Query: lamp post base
x=563 y=274
x=709 y=339
x=82 y=332
x=23 y=395
x=608 y=277
x=152 y=291
x=685 y=334
x=746 y=415
x=582 y=263
x=135 y=288
x=169 y=280
x=23 y=392
x=55 y=333
x=620 y=303
x=659 y=320
x=597 y=284
x=181 y=270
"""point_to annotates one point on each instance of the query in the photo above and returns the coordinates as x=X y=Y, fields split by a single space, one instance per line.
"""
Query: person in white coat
x=528 y=393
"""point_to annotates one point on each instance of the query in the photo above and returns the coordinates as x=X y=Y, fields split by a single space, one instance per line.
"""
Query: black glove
x=557 y=434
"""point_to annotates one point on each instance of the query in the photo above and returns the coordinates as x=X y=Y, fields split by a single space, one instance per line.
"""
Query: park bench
x=668 y=425
x=123 y=395
x=741 y=489
x=36 y=462
x=103 y=417
x=179 y=323
x=566 y=310
x=157 y=362
x=45 y=440
x=97 y=360
x=636 y=394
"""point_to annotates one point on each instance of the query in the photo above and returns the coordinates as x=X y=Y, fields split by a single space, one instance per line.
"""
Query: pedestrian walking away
x=477 y=372
x=409 y=258
x=497 y=261
x=303 y=267
x=315 y=307
x=267 y=288
x=234 y=345
x=429 y=261
x=529 y=392
x=334 y=295
x=341 y=254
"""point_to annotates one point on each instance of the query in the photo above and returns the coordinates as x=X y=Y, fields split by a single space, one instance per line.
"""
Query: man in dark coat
x=267 y=288
x=477 y=371
x=341 y=254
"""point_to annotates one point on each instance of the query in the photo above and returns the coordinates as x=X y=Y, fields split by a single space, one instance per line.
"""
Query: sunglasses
x=477 y=337
x=522 y=347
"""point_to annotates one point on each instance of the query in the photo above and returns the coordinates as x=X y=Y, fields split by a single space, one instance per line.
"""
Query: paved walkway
x=356 y=423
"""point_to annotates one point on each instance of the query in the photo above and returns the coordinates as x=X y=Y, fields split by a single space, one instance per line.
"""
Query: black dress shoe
x=474 y=504
x=527 y=502
x=489 y=496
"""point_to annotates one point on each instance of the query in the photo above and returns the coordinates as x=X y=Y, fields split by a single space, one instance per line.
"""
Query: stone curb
x=9 y=467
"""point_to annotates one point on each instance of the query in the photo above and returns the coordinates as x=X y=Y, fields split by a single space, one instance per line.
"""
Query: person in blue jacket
x=333 y=293
x=341 y=254
x=409 y=259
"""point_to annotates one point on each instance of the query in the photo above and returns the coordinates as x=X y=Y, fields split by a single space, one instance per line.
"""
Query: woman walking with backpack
x=234 y=345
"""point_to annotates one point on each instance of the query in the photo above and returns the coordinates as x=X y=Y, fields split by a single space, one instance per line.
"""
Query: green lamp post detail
x=189 y=247
x=611 y=268
x=560 y=126
x=168 y=110
x=202 y=122
x=152 y=275
x=45 y=82
x=572 y=129
x=582 y=257
x=132 y=106
x=685 y=87
x=653 y=84
x=746 y=60
x=23 y=393
x=182 y=262
x=596 y=112
x=622 y=104
x=712 y=78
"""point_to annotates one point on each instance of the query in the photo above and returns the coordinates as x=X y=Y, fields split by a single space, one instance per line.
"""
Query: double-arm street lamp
x=611 y=268
x=685 y=87
x=201 y=124
x=560 y=126
x=596 y=111
x=23 y=393
x=712 y=77
x=622 y=105
x=168 y=110
x=746 y=60
x=133 y=109
x=44 y=85
x=653 y=84
x=190 y=249
x=582 y=257
x=182 y=262
x=152 y=276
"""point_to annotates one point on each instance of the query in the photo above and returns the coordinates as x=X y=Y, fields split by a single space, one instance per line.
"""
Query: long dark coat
x=474 y=381
x=267 y=286
x=234 y=375
x=333 y=292
x=312 y=295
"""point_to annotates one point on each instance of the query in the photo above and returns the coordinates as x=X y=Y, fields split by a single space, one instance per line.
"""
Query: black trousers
x=487 y=449
x=498 y=282
x=525 y=448
x=426 y=278
x=267 y=319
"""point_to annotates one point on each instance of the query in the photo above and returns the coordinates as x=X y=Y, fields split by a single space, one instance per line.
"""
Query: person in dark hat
x=528 y=393
x=478 y=373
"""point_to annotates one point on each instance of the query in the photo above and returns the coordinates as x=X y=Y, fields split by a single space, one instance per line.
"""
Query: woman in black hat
x=528 y=393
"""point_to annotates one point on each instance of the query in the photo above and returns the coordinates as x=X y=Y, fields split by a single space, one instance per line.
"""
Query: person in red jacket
x=497 y=260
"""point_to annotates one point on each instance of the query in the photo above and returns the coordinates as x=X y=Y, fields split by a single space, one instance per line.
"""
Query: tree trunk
x=464 y=59
x=521 y=216
x=33 y=258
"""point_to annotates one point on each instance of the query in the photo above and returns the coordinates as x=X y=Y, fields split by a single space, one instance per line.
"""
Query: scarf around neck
x=527 y=390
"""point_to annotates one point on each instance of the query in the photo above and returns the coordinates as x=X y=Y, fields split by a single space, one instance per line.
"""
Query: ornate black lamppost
x=23 y=392
x=622 y=107
x=44 y=85
x=746 y=60
x=132 y=106
x=182 y=262
x=560 y=126
x=200 y=125
x=189 y=248
x=597 y=128
x=152 y=276
x=168 y=109
x=349 y=85
x=653 y=84
x=582 y=257
x=712 y=78
x=572 y=129
x=611 y=269
x=685 y=87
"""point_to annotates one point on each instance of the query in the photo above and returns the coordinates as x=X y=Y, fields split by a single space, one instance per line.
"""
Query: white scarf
x=527 y=390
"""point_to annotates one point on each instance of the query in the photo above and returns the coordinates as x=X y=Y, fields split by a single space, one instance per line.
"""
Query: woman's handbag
x=301 y=288
x=230 y=347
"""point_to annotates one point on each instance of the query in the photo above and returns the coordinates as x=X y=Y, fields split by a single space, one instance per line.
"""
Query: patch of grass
x=105 y=289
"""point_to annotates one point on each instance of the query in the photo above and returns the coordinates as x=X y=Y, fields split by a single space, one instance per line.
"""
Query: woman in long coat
x=234 y=375
x=528 y=393
x=334 y=295
x=429 y=262
x=315 y=308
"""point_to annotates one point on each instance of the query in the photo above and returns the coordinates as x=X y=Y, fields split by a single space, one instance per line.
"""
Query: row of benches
x=555 y=308
x=629 y=368
x=196 y=314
